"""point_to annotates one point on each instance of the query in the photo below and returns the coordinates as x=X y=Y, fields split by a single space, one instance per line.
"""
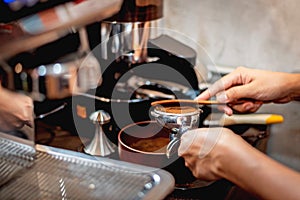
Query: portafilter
x=178 y=118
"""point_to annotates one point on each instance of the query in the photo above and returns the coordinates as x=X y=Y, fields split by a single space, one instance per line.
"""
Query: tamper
x=100 y=145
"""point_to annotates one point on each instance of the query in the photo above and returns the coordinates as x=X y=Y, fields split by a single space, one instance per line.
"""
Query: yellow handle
x=252 y=119
x=273 y=119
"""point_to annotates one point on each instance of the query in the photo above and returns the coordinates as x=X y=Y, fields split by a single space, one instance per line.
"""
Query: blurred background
x=260 y=34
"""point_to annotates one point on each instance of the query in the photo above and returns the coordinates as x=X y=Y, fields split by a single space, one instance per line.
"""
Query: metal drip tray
x=61 y=174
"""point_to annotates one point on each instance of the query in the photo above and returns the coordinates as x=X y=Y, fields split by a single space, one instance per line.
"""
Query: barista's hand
x=16 y=110
x=224 y=154
x=202 y=149
x=254 y=87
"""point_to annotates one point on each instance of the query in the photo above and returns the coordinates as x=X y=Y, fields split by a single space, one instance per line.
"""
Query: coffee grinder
x=140 y=63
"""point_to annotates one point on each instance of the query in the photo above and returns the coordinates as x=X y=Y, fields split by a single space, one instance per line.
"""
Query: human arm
x=234 y=159
x=254 y=85
x=16 y=110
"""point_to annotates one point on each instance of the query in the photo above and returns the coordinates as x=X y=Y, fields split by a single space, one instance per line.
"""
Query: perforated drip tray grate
x=60 y=174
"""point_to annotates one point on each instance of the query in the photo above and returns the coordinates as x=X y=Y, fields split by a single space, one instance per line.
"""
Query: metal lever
x=136 y=82
x=41 y=116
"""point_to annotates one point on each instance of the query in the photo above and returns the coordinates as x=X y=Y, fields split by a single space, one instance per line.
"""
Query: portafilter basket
x=178 y=118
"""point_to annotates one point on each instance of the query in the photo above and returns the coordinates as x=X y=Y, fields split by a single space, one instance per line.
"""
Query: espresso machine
x=120 y=64
x=140 y=63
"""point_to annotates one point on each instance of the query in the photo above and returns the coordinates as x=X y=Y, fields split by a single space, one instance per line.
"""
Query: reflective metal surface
x=60 y=174
x=100 y=144
x=127 y=40
x=178 y=121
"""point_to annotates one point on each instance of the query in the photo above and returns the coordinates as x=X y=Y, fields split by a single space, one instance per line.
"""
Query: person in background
x=16 y=110
x=231 y=157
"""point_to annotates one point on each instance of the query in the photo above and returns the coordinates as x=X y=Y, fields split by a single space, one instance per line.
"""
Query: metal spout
x=100 y=145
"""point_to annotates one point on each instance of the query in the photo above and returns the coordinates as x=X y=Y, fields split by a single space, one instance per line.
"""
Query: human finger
x=187 y=140
x=214 y=89
x=234 y=94
x=226 y=109
x=247 y=107
x=29 y=122
x=222 y=84
x=28 y=113
x=204 y=95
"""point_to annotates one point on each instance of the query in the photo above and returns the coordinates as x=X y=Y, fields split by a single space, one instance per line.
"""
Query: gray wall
x=256 y=33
